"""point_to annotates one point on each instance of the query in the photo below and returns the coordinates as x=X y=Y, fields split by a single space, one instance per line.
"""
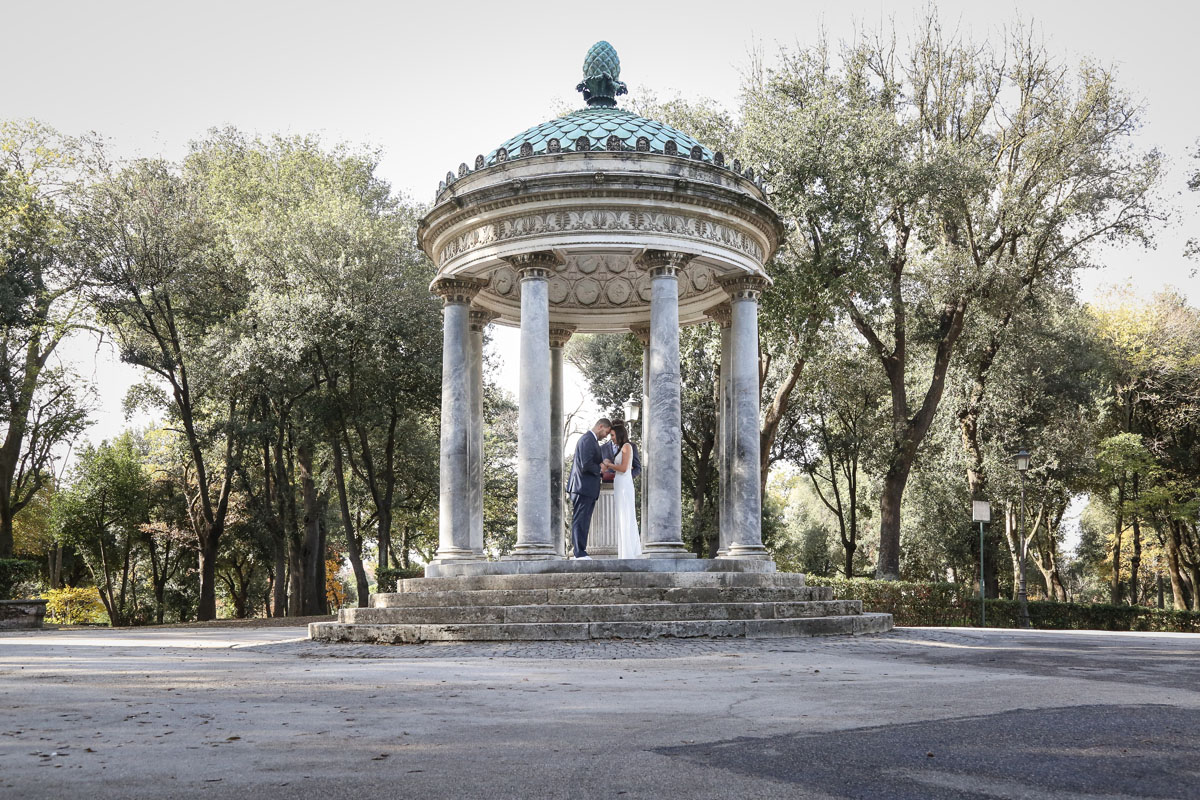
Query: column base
x=533 y=553
x=665 y=550
x=754 y=551
x=456 y=555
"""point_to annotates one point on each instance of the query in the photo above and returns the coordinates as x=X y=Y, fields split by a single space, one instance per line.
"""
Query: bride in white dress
x=629 y=538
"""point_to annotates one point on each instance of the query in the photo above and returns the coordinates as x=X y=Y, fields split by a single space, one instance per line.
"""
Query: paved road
x=921 y=713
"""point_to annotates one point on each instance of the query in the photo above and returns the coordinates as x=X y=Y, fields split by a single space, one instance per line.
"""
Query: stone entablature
x=598 y=212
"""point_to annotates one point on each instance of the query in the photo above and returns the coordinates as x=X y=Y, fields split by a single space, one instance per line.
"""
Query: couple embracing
x=606 y=447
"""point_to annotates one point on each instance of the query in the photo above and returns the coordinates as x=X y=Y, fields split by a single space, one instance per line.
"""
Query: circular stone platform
x=612 y=599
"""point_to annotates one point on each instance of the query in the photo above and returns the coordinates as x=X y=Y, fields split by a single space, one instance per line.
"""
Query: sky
x=434 y=84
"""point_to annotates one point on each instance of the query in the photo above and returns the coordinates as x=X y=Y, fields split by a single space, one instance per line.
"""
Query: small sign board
x=981 y=511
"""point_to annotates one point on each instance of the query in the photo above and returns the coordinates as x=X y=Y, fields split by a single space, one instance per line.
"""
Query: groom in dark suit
x=584 y=484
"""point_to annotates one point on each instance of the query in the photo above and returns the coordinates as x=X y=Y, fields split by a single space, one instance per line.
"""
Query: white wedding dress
x=629 y=539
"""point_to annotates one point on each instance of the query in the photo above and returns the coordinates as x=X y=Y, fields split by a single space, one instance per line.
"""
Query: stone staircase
x=572 y=600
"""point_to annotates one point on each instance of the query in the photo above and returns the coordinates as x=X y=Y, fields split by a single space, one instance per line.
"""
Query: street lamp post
x=981 y=512
x=1022 y=464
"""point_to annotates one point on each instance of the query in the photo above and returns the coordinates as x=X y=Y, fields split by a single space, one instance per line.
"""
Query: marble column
x=663 y=535
x=454 y=518
x=478 y=319
x=535 y=539
x=722 y=314
x=642 y=332
x=746 y=507
x=559 y=336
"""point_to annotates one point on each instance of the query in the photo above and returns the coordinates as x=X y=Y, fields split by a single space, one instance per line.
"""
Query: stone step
x=522 y=566
x=601 y=580
x=600 y=596
x=574 y=631
x=617 y=612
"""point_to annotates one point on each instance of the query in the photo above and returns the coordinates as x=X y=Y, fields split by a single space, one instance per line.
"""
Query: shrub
x=75 y=605
x=957 y=605
x=1092 y=617
x=909 y=602
x=386 y=579
x=13 y=573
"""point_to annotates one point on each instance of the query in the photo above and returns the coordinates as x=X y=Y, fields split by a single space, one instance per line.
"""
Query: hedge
x=13 y=572
x=1089 y=617
x=913 y=603
x=909 y=602
x=385 y=579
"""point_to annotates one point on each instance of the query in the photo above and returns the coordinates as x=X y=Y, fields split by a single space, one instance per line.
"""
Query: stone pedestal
x=602 y=540
x=22 y=614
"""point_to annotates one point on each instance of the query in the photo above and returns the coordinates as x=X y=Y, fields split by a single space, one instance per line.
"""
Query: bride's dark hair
x=620 y=433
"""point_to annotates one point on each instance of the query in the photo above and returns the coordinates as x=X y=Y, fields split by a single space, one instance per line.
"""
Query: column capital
x=664 y=262
x=642 y=332
x=721 y=313
x=457 y=290
x=478 y=318
x=538 y=264
x=560 y=334
x=744 y=287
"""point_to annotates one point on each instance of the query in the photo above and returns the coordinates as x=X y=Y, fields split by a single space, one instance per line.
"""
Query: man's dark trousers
x=581 y=522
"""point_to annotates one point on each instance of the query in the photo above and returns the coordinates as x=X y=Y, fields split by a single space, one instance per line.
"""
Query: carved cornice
x=600 y=219
x=744 y=287
x=721 y=313
x=479 y=318
x=642 y=332
x=539 y=264
x=560 y=335
x=664 y=262
x=457 y=290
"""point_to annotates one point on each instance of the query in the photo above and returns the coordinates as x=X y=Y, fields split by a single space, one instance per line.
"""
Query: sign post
x=981 y=512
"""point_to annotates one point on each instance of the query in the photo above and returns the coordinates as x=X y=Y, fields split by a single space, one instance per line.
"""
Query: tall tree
x=929 y=182
x=165 y=284
x=41 y=404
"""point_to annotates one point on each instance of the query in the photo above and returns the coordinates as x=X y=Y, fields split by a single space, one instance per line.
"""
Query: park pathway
x=920 y=713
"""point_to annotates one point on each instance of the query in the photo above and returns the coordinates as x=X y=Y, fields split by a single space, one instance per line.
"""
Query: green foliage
x=1093 y=617
x=386 y=579
x=13 y=573
x=909 y=602
x=957 y=605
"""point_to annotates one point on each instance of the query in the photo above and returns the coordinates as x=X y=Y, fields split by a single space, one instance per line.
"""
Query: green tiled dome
x=599 y=124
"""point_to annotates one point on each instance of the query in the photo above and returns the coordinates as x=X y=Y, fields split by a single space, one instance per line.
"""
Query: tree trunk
x=279 y=581
x=207 y=609
x=353 y=539
x=1119 y=527
x=313 y=590
x=888 y=568
x=1180 y=603
x=1135 y=561
x=6 y=527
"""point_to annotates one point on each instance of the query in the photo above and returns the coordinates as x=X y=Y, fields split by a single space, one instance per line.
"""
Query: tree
x=166 y=287
x=927 y=184
x=41 y=405
x=101 y=515
x=840 y=426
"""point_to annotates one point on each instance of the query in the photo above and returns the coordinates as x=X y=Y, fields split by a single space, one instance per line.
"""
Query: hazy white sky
x=435 y=83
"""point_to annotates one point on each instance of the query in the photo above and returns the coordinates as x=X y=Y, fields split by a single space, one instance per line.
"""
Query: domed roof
x=604 y=128
x=601 y=126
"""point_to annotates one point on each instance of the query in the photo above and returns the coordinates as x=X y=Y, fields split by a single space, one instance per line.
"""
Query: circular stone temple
x=600 y=221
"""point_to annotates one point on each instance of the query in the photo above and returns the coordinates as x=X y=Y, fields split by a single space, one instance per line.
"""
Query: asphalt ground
x=255 y=713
